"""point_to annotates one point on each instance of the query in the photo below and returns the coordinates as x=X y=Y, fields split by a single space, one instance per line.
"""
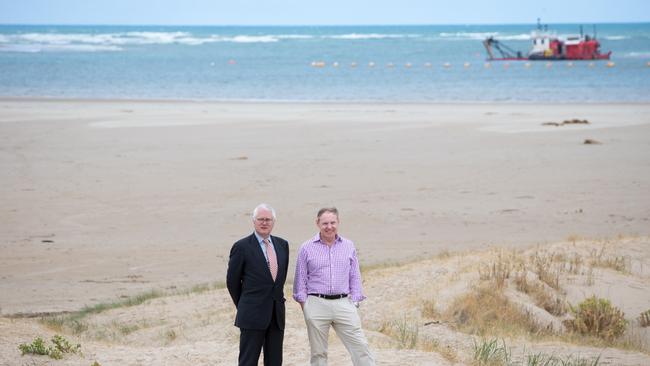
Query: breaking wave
x=38 y=47
x=483 y=35
x=370 y=36
x=642 y=54
x=89 y=42
x=616 y=38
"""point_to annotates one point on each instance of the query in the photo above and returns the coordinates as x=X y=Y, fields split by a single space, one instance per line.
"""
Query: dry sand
x=196 y=329
x=101 y=199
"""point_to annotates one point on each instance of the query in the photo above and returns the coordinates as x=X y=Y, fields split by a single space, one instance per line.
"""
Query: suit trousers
x=252 y=341
x=343 y=316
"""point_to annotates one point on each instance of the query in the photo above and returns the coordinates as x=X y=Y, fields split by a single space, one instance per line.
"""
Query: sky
x=328 y=12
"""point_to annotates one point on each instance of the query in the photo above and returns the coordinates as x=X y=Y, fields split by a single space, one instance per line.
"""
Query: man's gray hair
x=263 y=206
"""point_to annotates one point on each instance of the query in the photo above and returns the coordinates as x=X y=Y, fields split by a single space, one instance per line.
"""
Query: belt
x=330 y=297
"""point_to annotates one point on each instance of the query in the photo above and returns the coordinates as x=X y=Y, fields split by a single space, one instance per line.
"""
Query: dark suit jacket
x=251 y=286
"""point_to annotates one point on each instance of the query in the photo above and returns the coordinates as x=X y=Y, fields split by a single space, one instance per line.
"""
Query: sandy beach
x=107 y=199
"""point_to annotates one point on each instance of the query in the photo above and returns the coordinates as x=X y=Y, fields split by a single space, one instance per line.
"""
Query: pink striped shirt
x=321 y=269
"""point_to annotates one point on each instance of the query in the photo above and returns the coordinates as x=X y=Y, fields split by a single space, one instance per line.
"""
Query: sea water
x=436 y=63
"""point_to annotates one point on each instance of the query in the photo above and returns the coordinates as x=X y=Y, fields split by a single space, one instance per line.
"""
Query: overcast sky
x=326 y=12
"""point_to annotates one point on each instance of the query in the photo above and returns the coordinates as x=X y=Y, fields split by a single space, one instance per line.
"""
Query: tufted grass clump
x=644 y=318
x=498 y=271
x=405 y=330
x=543 y=359
x=489 y=352
x=597 y=317
x=487 y=311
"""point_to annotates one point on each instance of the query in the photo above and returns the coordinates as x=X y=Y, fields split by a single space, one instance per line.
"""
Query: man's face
x=328 y=224
x=263 y=222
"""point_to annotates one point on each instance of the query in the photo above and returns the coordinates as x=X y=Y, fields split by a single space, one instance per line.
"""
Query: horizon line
x=316 y=25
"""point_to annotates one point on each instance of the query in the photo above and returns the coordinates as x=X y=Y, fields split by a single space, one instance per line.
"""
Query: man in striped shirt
x=327 y=285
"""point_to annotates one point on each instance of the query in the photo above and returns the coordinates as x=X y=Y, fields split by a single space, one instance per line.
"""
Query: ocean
x=437 y=63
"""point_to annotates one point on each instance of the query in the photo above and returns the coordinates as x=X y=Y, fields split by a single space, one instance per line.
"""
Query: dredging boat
x=548 y=46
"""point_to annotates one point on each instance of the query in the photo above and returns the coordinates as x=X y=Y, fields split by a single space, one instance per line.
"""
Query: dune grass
x=644 y=319
x=489 y=352
x=601 y=258
x=76 y=324
x=486 y=311
x=404 y=330
x=599 y=318
x=492 y=352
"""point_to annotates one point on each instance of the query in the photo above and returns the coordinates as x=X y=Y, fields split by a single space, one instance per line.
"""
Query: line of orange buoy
x=447 y=65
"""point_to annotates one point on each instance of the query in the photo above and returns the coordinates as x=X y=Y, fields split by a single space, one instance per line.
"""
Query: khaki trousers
x=343 y=316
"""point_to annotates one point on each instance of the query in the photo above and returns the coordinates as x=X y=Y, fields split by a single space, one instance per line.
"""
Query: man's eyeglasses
x=264 y=219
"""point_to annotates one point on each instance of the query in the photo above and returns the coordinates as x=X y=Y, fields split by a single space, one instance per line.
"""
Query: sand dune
x=196 y=328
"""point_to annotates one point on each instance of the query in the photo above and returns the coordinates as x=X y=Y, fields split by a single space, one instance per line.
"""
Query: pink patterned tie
x=273 y=260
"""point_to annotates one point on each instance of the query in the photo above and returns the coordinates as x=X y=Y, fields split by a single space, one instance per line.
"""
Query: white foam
x=111 y=39
x=36 y=47
x=251 y=39
x=516 y=37
x=87 y=42
x=483 y=35
x=294 y=36
x=370 y=36
x=616 y=38
x=642 y=54
x=468 y=35
x=128 y=38
x=151 y=38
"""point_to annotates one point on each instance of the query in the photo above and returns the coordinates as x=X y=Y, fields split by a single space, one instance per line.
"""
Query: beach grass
x=495 y=352
x=486 y=311
x=75 y=323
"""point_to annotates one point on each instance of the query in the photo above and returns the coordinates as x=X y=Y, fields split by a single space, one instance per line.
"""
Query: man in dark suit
x=257 y=270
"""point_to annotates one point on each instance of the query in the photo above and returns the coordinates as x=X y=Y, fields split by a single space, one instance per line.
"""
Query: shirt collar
x=336 y=240
x=259 y=238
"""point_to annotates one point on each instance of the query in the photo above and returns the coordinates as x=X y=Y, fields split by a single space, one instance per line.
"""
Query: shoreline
x=311 y=102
